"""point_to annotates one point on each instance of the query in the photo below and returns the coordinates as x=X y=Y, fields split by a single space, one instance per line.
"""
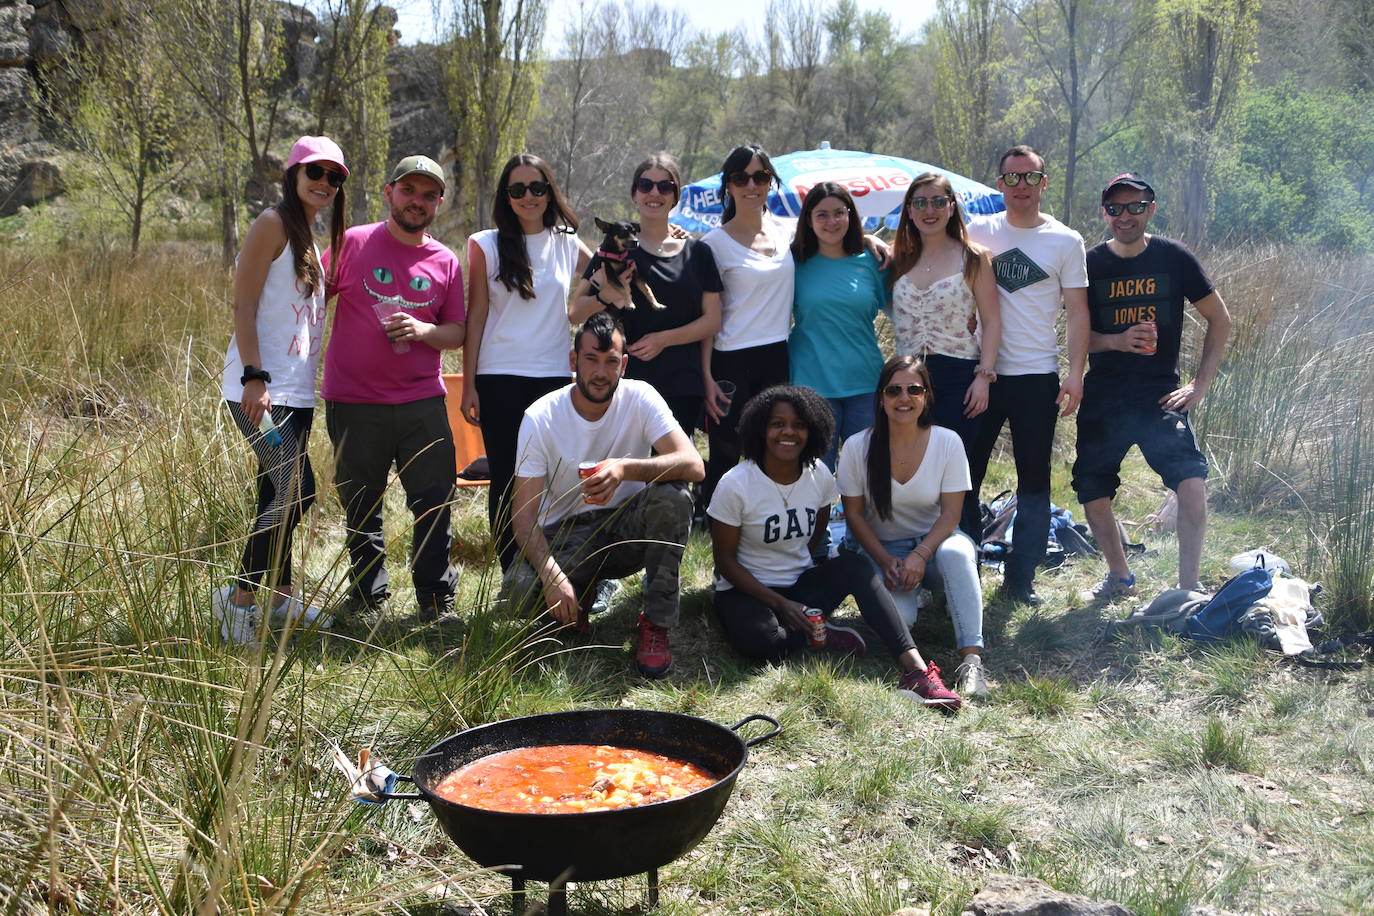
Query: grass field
x=146 y=767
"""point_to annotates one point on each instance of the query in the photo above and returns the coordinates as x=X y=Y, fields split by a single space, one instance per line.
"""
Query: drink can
x=586 y=469
x=1153 y=345
x=816 y=617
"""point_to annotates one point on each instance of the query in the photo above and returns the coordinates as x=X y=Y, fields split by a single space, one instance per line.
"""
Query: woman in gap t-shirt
x=517 y=342
x=664 y=344
x=768 y=518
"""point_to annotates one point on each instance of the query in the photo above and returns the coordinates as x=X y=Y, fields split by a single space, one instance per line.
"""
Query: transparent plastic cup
x=384 y=311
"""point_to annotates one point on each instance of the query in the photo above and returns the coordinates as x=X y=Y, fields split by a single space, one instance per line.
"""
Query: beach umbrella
x=878 y=184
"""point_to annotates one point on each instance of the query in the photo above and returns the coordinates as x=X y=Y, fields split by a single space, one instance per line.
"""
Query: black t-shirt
x=1148 y=287
x=678 y=283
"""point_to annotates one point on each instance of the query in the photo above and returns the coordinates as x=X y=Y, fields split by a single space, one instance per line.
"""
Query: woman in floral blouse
x=944 y=310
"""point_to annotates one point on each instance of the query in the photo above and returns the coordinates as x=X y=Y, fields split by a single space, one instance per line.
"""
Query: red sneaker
x=928 y=686
x=653 y=656
x=845 y=639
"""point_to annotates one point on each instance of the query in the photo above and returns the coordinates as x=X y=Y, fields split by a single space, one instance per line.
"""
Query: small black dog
x=622 y=237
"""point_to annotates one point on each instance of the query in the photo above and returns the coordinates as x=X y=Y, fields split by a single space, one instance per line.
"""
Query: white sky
x=707 y=15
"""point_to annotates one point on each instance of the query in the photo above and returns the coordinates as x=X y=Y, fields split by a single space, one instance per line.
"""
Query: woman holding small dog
x=664 y=343
x=516 y=350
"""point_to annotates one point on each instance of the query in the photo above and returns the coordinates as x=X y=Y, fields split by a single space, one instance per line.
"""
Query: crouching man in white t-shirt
x=632 y=512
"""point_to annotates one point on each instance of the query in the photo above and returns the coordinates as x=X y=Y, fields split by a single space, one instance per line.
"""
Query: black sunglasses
x=936 y=203
x=1012 y=179
x=913 y=389
x=1135 y=207
x=761 y=177
x=517 y=190
x=664 y=185
x=314 y=171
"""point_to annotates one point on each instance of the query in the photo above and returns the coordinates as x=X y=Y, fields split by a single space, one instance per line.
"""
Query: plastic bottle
x=268 y=428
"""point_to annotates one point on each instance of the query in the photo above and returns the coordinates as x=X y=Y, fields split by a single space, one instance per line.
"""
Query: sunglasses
x=935 y=203
x=663 y=185
x=517 y=190
x=1012 y=179
x=314 y=171
x=762 y=177
x=1135 y=208
x=913 y=389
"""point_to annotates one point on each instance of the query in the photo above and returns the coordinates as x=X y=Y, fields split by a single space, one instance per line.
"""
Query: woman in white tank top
x=269 y=379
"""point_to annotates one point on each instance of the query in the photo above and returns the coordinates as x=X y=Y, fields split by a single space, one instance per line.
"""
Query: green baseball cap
x=419 y=165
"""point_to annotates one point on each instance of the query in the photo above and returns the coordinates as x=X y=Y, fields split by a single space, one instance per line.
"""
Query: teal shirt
x=833 y=347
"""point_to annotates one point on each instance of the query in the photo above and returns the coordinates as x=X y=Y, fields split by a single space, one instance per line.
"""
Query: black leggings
x=286 y=488
x=752 y=370
x=756 y=632
x=503 y=399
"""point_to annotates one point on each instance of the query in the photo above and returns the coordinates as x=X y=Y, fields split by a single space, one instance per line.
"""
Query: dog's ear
x=602 y=224
x=635 y=227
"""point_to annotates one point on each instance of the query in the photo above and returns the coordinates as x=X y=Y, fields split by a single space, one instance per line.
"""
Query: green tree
x=869 y=62
x=969 y=55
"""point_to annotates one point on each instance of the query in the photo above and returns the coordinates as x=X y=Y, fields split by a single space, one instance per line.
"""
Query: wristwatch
x=251 y=373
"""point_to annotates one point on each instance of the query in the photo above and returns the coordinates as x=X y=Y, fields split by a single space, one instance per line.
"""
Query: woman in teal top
x=833 y=346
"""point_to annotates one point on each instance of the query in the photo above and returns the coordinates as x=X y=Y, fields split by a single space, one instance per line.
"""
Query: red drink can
x=1153 y=328
x=586 y=469
x=816 y=617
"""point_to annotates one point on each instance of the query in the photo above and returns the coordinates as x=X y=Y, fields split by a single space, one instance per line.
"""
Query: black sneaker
x=432 y=607
x=1023 y=594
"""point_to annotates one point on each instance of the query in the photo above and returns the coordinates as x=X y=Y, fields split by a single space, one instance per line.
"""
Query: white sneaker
x=968 y=677
x=236 y=624
x=295 y=612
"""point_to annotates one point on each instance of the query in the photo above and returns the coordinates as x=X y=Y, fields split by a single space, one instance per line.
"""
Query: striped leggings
x=286 y=488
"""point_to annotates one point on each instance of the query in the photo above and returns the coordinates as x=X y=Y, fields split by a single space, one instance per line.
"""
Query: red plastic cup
x=1153 y=328
x=586 y=469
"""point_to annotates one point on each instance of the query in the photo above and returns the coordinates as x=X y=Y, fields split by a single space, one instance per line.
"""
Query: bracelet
x=989 y=374
x=253 y=373
x=925 y=557
x=609 y=305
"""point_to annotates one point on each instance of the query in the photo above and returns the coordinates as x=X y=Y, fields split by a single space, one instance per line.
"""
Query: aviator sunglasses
x=935 y=203
x=1135 y=207
x=664 y=185
x=517 y=190
x=1012 y=179
x=913 y=390
x=314 y=171
x=761 y=177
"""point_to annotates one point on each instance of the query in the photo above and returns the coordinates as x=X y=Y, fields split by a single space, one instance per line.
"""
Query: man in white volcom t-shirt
x=632 y=512
x=1039 y=263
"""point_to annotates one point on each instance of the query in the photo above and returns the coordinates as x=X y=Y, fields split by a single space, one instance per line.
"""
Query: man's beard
x=399 y=219
x=587 y=393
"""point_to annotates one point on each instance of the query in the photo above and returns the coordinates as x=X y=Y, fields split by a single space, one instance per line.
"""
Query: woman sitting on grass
x=903 y=484
x=269 y=377
x=768 y=520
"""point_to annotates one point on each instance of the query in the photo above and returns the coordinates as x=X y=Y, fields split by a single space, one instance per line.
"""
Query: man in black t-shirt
x=1132 y=395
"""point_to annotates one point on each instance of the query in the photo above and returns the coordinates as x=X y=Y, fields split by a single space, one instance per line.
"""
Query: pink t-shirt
x=426 y=280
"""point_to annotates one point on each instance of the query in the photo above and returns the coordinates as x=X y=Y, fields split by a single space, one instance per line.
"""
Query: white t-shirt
x=290 y=328
x=775 y=521
x=555 y=438
x=1032 y=267
x=756 y=304
x=529 y=337
x=916 y=503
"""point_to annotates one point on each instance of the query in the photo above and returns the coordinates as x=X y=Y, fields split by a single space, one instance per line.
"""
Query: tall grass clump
x=1344 y=519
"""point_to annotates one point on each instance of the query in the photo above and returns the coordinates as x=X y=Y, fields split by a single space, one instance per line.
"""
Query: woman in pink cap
x=269 y=379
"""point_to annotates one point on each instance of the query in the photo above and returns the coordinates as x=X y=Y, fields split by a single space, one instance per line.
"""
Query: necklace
x=785 y=494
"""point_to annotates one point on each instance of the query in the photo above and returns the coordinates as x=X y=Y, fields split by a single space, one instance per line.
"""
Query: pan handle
x=390 y=796
x=758 y=717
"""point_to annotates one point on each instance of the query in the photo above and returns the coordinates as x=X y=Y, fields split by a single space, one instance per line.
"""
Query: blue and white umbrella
x=878 y=184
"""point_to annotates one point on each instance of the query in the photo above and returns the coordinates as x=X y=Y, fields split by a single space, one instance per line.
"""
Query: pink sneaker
x=928 y=686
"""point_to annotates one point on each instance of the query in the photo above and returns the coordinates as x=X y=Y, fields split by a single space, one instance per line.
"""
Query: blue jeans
x=955 y=572
x=951 y=376
x=852 y=415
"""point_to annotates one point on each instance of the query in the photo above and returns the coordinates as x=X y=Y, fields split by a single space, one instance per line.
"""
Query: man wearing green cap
x=400 y=302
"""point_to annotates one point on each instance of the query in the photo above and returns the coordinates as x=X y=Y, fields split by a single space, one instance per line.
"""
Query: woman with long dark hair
x=840 y=289
x=768 y=516
x=269 y=379
x=754 y=257
x=903 y=484
x=516 y=350
x=945 y=310
x=664 y=344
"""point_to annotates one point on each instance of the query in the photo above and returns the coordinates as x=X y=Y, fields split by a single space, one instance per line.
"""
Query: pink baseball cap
x=316 y=149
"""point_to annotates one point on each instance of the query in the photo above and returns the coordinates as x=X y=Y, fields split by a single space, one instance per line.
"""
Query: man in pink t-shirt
x=400 y=302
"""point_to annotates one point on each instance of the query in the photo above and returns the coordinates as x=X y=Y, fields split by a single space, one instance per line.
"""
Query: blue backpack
x=1198 y=616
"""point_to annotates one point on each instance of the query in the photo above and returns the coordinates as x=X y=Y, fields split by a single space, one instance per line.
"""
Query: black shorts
x=1109 y=425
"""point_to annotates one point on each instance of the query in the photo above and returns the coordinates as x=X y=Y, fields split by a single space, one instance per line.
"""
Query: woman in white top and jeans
x=517 y=342
x=269 y=372
x=945 y=310
x=755 y=263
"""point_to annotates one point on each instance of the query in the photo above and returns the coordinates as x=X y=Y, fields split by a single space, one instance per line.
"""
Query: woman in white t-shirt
x=902 y=483
x=518 y=340
x=269 y=377
x=768 y=519
x=752 y=253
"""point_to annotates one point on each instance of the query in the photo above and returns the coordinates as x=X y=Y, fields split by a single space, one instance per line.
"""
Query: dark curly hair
x=810 y=406
x=880 y=442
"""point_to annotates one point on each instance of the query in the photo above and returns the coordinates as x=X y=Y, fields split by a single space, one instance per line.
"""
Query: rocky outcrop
x=1013 y=895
